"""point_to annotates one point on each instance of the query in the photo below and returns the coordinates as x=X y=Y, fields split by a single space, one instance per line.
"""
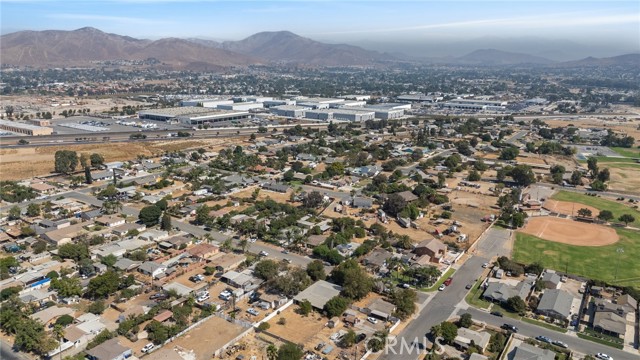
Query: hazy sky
x=336 y=21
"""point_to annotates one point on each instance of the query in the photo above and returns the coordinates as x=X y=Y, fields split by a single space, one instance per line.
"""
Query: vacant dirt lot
x=33 y=161
x=297 y=328
x=570 y=232
x=209 y=337
x=567 y=208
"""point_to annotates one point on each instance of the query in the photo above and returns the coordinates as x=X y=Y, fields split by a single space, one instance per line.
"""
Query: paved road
x=517 y=136
x=7 y=353
x=575 y=343
x=275 y=253
x=495 y=242
x=439 y=309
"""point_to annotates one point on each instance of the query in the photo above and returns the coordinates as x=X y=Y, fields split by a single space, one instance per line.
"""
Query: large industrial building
x=241 y=106
x=389 y=110
x=411 y=98
x=193 y=115
x=340 y=114
x=26 y=129
x=290 y=111
x=207 y=103
x=318 y=103
x=274 y=103
x=476 y=105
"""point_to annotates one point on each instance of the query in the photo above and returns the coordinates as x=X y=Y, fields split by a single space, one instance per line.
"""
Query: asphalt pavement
x=530 y=330
x=441 y=306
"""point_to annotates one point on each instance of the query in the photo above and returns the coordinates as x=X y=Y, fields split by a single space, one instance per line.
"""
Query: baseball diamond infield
x=567 y=208
x=570 y=231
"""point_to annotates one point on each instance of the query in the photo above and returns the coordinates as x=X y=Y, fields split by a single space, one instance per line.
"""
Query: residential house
x=609 y=323
x=381 y=309
x=376 y=259
x=152 y=269
x=271 y=186
x=467 y=337
x=110 y=220
x=318 y=294
x=501 y=292
x=42 y=188
x=551 y=279
x=126 y=265
x=91 y=214
x=433 y=248
x=203 y=251
x=122 y=230
x=530 y=352
x=48 y=315
x=408 y=196
x=555 y=304
x=64 y=235
x=109 y=350
x=316 y=240
x=361 y=203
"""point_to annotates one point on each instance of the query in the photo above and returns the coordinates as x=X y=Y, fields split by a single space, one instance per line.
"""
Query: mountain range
x=82 y=47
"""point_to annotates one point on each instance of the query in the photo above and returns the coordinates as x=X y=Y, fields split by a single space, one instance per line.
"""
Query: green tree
x=584 y=212
x=465 y=320
x=576 y=178
x=305 y=307
x=290 y=351
x=150 y=215
x=605 y=215
x=592 y=165
x=448 y=331
x=473 y=176
x=405 y=302
x=626 y=219
x=103 y=285
x=15 y=213
x=266 y=269
x=523 y=175
x=336 y=306
x=509 y=153
x=516 y=304
x=109 y=260
x=66 y=161
x=165 y=224
x=33 y=210
x=72 y=251
x=315 y=270
x=349 y=339
x=272 y=351
x=67 y=286
x=97 y=160
x=97 y=307
x=598 y=185
x=87 y=175
x=202 y=215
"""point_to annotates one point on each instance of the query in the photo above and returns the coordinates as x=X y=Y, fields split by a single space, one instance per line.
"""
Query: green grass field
x=601 y=204
x=628 y=152
x=595 y=262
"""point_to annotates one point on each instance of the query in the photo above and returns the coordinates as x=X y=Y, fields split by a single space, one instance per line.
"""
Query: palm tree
x=58 y=332
x=244 y=244
x=272 y=352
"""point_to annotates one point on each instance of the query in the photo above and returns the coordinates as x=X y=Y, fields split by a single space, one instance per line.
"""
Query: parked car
x=372 y=320
x=510 y=327
x=603 y=356
x=442 y=287
x=469 y=286
x=147 y=348
x=159 y=296
x=543 y=339
x=560 y=343
x=253 y=311
x=448 y=281
x=285 y=251
x=485 y=265
x=197 y=278
x=264 y=253
x=497 y=313
x=361 y=337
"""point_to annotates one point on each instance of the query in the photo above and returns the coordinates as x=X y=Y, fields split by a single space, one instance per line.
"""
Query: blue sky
x=335 y=21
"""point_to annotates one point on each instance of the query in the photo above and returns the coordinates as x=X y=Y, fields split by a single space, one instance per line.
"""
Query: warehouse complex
x=191 y=115
x=23 y=128
x=476 y=105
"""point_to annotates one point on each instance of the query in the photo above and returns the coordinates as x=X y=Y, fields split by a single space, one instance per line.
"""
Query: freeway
x=575 y=343
x=151 y=135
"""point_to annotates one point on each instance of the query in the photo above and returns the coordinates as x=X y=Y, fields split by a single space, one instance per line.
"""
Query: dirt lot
x=567 y=208
x=33 y=161
x=626 y=127
x=625 y=177
x=570 y=232
x=209 y=337
x=297 y=329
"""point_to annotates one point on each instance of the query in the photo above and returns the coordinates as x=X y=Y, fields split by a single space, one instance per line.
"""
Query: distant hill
x=498 y=57
x=285 y=46
x=620 y=60
x=80 y=47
